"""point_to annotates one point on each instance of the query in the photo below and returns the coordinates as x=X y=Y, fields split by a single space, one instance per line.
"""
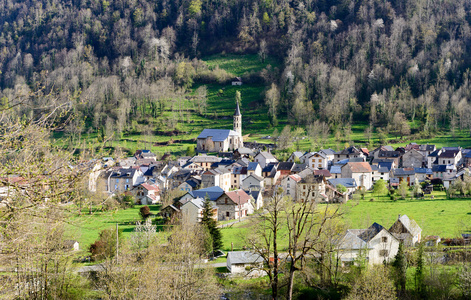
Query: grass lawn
x=438 y=216
x=86 y=228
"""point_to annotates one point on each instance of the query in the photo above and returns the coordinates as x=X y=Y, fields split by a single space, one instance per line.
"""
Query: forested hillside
x=134 y=66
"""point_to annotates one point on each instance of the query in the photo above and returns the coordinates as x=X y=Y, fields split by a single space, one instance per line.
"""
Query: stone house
x=329 y=155
x=237 y=175
x=122 y=180
x=311 y=188
x=405 y=174
x=192 y=210
x=295 y=156
x=217 y=177
x=361 y=172
x=146 y=193
x=375 y=244
x=204 y=161
x=350 y=152
x=212 y=193
x=349 y=183
x=406 y=230
x=234 y=205
x=413 y=159
x=289 y=183
x=264 y=158
x=190 y=185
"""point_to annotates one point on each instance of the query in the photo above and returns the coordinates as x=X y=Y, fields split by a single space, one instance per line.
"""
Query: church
x=222 y=140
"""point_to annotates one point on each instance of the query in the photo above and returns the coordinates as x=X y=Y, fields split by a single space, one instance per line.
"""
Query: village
x=238 y=179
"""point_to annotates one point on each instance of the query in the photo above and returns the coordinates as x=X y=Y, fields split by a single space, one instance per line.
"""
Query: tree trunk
x=292 y=269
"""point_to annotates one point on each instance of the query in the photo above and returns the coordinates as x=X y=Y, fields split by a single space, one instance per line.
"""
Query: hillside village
x=238 y=178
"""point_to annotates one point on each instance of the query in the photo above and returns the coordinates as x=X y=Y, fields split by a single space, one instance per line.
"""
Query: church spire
x=238 y=120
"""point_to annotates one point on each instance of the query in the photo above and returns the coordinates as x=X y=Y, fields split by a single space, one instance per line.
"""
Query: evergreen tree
x=211 y=224
x=400 y=268
x=419 y=272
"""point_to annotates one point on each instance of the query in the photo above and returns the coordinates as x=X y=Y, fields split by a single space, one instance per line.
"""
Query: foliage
x=403 y=189
x=399 y=266
x=105 y=246
x=420 y=272
x=145 y=212
x=211 y=224
x=341 y=188
x=373 y=284
x=380 y=187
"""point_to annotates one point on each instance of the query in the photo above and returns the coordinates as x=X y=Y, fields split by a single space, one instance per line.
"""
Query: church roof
x=218 y=135
x=237 y=110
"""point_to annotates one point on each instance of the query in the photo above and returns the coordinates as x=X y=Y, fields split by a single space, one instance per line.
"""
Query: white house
x=360 y=171
x=192 y=210
x=376 y=245
x=241 y=262
x=317 y=160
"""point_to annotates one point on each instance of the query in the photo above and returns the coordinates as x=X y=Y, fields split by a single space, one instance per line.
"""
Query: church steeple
x=238 y=120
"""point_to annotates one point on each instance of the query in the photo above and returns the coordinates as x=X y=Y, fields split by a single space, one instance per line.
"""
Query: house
x=179 y=177
x=405 y=174
x=212 y=193
x=325 y=173
x=336 y=171
x=237 y=175
x=350 y=152
x=146 y=193
x=311 y=188
x=413 y=159
x=395 y=156
x=450 y=156
x=406 y=230
x=257 y=197
x=192 y=210
x=426 y=150
x=254 y=168
x=189 y=185
x=204 y=161
x=145 y=154
x=222 y=140
x=361 y=172
x=71 y=245
x=123 y=179
x=237 y=81
x=285 y=168
x=234 y=205
x=243 y=152
x=238 y=262
x=432 y=158
x=380 y=173
x=271 y=174
x=295 y=156
x=253 y=182
x=423 y=174
x=217 y=177
x=288 y=184
x=467 y=159
x=329 y=155
x=264 y=158
x=349 y=183
x=170 y=212
x=317 y=160
x=375 y=244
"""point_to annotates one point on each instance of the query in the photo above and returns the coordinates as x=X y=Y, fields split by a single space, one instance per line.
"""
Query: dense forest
x=120 y=63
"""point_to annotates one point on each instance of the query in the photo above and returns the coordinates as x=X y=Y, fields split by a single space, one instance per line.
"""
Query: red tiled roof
x=360 y=167
x=237 y=196
x=150 y=187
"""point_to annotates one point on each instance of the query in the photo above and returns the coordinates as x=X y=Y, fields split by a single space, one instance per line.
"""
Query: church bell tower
x=238 y=120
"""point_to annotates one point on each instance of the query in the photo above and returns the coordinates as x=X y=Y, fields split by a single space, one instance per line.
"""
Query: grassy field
x=86 y=228
x=438 y=216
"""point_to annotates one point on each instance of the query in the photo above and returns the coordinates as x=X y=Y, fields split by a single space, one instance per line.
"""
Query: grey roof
x=409 y=224
x=435 y=153
x=346 y=182
x=404 y=171
x=205 y=158
x=351 y=240
x=423 y=171
x=386 y=165
x=213 y=193
x=319 y=153
x=254 y=176
x=286 y=166
x=297 y=154
x=298 y=167
x=218 y=135
x=243 y=257
x=350 y=150
x=237 y=110
x=327 y=151
x=247 y=151
x=124 y=173
x=267 y=155
x=243 y=162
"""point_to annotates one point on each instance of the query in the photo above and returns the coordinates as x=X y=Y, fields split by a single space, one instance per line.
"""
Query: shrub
x=145 y=212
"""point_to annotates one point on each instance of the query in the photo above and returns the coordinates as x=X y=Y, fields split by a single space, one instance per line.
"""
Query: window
x=383 y=253
x=225 y=201
x=384 y=239
x=117 y=180
x=235 y=180
x=127 y=180
x=126 y=187
x=304 y=193
x=304 y=187
x=287 y=186
x=228 y=214
x=115 y=186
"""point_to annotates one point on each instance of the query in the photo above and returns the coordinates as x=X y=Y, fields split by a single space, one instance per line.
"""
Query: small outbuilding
x=239 y=262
